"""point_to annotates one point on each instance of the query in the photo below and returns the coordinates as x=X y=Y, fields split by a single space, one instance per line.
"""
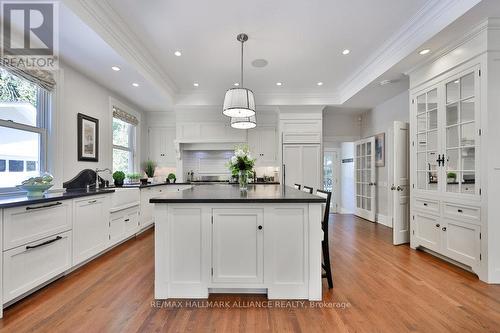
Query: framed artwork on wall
x=88 y=138
x=380 y=150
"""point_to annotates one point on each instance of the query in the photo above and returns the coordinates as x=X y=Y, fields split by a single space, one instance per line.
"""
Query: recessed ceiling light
x=319 y=83
x=456 y=81
x=115 y=68
x=177 y=53
x=384 y=82
x=135 y=84
x=236 y=84
x=196 y=84
x=346 y=52
x=424 y=51
x=279 y=83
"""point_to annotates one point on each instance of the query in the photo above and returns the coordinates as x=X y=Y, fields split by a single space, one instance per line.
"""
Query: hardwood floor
x=377 y=288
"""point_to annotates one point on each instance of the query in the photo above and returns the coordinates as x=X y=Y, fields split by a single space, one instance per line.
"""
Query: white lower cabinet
x=90 y=227
x=123 y=224
x=237 y=250
x=28 y=266
x=461 y=242
x=449 y=228
x=427 y=231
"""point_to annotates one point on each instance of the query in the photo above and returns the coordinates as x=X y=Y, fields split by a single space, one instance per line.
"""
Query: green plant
x=241 y=161
x=452 y=175
x=119 y=175
x=149 y=168
x=134 y=176
x=171 y=176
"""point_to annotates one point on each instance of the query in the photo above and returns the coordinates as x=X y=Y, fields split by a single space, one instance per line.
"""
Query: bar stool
x=324 y=243
x=296 y=186
x=307 y=189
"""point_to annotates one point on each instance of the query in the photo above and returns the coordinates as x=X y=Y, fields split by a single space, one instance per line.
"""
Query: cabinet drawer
x=28 y=266
x=30 y=223
x=462 y=212
x=427 y=205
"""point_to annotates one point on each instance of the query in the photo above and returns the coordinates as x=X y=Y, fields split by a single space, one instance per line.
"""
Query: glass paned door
x=427 y=141
x=461 y=135
x=364 y=164
x=330 y=182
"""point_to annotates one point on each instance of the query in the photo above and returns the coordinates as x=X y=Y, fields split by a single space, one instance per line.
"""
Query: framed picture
x=88 y=138
x=380 y=150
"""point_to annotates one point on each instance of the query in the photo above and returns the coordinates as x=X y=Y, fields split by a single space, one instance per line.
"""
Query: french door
x=364 y=177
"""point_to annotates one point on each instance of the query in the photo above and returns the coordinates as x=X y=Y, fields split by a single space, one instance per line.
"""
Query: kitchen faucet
x=97 y=177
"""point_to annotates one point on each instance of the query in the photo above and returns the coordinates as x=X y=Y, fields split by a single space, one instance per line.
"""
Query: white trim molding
x=431 y=19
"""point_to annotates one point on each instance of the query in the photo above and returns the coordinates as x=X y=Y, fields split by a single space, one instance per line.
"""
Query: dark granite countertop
x=231 y=193
x=193 y=183
x=22 y=200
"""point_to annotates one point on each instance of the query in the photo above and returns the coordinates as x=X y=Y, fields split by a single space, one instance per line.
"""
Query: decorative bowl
x=35 y=190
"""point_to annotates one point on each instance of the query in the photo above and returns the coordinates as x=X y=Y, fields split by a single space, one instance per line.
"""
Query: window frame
x=43 y=143
x=132 y=148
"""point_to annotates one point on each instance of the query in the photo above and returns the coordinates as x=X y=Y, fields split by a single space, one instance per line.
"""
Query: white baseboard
x=384 y=220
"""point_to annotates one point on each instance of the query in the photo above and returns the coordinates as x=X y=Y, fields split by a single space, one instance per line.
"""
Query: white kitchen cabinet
x=301 y=130
x=30 y=223
x=427 y=231
x=146 y=217
x=302 y=165
x=446 y=195
x=123 y=224
x=263 y=144
x=237 y=238
x=28 y=266
x=208 y=132
x=161 y=146
x=90 y=227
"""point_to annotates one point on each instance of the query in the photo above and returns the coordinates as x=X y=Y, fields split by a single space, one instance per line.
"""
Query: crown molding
x=269 y=99
x=106 y=22
x=431 y=19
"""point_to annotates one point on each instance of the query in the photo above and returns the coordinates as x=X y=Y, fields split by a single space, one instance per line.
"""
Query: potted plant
x=171 y=178
x=452 y=177
x=241 y=164
x=149 y=169
x=134 y=177
x=119 y=177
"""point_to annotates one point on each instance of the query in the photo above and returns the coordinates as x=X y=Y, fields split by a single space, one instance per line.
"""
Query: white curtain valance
x=125 y=116
x=42 y=78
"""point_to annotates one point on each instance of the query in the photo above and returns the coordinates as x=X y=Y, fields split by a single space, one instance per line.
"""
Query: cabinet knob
x=444 y=229
x=260 y=227
x=438 y=225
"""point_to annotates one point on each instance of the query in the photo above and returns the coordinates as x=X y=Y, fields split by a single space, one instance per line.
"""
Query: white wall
x=379 y=120
x=340 y=127
x=77 y=93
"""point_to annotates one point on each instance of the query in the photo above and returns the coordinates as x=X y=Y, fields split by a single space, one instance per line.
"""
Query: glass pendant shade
x=244 y=122
x=239 y=103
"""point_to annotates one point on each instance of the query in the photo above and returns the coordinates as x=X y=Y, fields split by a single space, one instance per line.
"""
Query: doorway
x=331 y=167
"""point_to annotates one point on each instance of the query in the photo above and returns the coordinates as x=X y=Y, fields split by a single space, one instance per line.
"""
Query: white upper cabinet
x=301 y=130
x=446 y=135
x=263 y=144
x=161 y=146
x=209 y=132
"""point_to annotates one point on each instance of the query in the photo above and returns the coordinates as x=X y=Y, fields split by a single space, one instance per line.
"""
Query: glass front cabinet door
x=446 y=135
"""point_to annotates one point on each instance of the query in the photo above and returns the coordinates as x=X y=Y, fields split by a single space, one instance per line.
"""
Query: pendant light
x=244 y=123
x=239 y=102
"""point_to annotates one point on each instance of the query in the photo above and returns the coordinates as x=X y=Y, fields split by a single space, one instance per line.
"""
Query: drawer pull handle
x=460 y=211
x=44 y=206
x=126 y=220
x=425 y=203
x=29 y=247
x=92 y=201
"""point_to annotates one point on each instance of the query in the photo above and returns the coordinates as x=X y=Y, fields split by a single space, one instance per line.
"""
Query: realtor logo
x=29 y=34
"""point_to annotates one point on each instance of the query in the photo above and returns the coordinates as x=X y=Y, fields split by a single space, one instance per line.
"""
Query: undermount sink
x=124 y=197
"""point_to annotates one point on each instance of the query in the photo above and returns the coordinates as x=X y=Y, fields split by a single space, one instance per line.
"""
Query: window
x=23 y=113
x=124 y=134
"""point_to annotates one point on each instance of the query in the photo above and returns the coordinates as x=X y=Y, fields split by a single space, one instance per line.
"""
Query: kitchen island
x=217 y=239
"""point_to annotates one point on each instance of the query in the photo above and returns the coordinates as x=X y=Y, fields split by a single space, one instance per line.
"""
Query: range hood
x=208 y=145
